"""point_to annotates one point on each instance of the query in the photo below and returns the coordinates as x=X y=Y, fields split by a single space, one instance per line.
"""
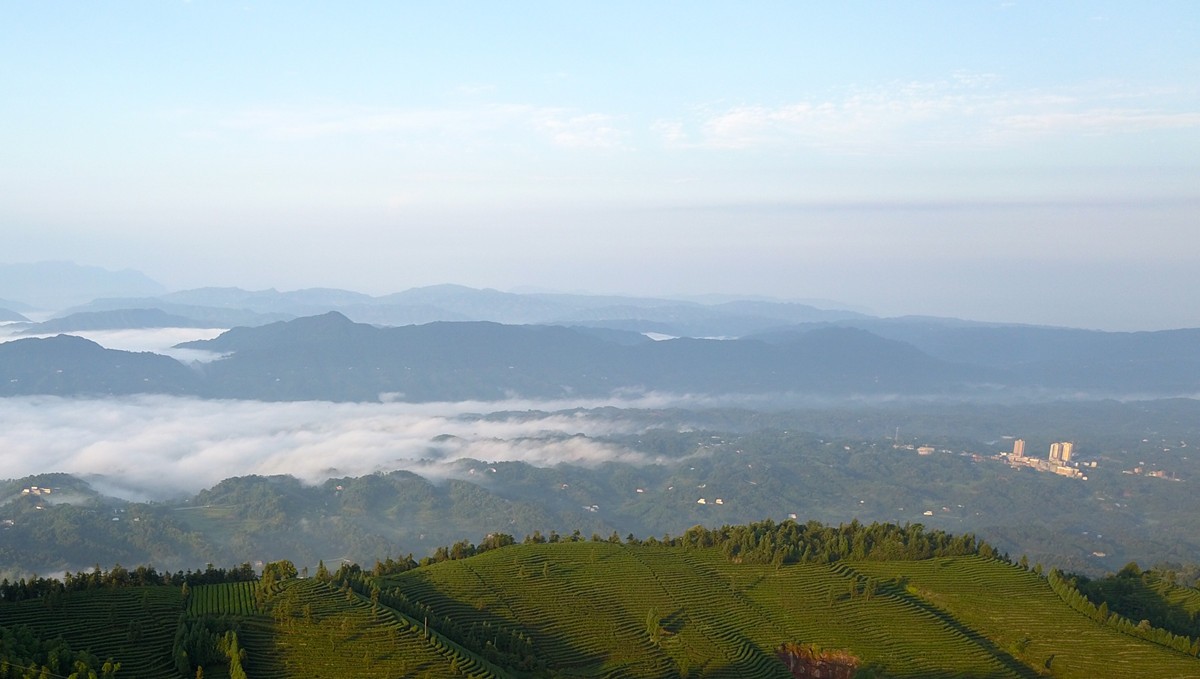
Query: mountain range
x=453 y=342
x=330 y=357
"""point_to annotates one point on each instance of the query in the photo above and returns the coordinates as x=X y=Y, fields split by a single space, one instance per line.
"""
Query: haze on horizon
x=998 y=161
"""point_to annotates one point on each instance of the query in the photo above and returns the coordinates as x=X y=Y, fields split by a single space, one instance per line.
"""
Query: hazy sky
x=1018 y=161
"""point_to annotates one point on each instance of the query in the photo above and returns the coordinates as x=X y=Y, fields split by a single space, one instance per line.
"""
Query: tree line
x=1065 y=587
x=768 y=542
x=119 y=577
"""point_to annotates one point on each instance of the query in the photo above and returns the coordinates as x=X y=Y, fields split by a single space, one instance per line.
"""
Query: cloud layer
x=156 y=447
x=966 y=111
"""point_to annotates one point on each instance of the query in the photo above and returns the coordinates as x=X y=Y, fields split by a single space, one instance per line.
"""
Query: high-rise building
x=1056 y=452
x=1018 y=448
x=1067 y=449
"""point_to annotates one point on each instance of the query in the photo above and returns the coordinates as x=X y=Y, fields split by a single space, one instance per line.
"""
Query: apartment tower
x=1018 y=448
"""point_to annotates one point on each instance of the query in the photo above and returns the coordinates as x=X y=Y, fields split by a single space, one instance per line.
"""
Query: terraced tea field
x=133 y=626
x=580 y=616
x=328 y=633
x=599 y=609
x=1018 y=612
x=230 y=598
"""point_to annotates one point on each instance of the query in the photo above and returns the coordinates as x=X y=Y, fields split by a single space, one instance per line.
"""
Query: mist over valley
x=313 y=437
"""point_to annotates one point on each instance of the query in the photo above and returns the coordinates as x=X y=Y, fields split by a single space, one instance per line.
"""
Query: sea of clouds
x=157 y=447
x=153 y=447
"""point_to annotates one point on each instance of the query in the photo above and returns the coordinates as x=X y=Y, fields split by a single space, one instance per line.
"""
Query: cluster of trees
x=24 y=656
x=1141 y=595
x=537 y=538
x=813 y=542
x=388 y=566
x=1065 y=588
x=464 y=549
x=118 y=576
x=205 y=642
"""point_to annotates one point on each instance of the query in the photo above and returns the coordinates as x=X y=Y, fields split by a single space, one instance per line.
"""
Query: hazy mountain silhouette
x=56 y=285
x=226 y=307
x=68 y=365
x=331 y=357
x=207 y=316
x=112 y=320
x=1164 y=361
x=8 y=315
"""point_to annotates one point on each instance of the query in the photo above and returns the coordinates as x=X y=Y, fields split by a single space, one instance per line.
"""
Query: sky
x=1006 y=161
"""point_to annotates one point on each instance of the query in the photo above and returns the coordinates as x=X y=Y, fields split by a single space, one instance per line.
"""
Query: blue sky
x=1011 y=161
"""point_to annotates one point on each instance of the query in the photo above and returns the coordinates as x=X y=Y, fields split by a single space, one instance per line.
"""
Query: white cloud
x=595 y=131
x=155 y=447
x=966 y=111
x=1096 y=122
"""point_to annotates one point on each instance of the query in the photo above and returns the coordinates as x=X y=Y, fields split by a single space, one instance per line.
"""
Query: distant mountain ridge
x=55 y=285
x=454 y=342
x=10 y=316
x=119 y=319
x=459 y=303
x=1042 y=356
x=330 y=357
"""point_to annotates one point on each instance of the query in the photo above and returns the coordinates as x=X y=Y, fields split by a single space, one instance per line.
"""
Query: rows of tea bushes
x=1019 y=612
x=837 y=607
x=317 y=629
x=135 y=626
x=575 y=619
x=897 y=601
x=497 y=643
x=230 y=598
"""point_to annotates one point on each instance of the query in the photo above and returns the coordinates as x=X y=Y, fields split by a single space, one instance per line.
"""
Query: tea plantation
x=753 y=601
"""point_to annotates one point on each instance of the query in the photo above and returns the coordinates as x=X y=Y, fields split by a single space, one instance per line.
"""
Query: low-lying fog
x=155 y=447
x=157 y=340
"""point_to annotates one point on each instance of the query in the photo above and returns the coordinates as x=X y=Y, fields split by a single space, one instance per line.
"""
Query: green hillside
x=599 y=609
x=877 y=600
